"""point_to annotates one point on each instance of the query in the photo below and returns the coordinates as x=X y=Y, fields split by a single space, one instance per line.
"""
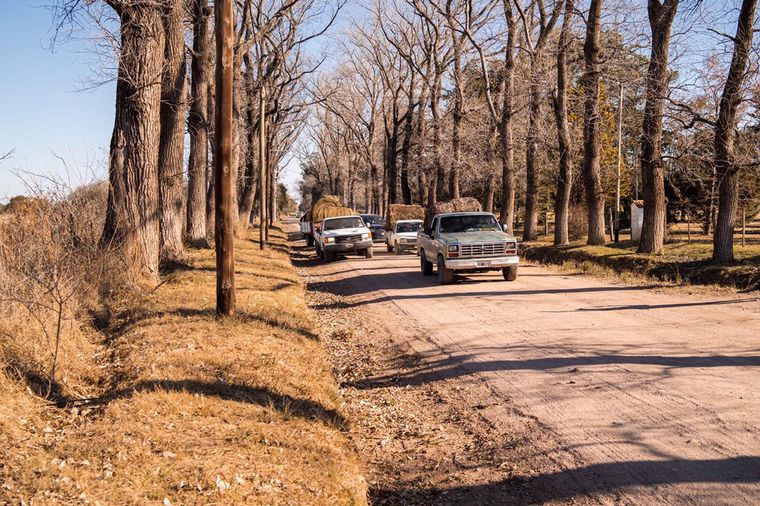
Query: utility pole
x=619 y=164
x=225 y=186
x=263 y=183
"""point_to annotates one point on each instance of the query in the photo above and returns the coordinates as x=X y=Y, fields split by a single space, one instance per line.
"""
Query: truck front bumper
x=466 y=264
x=347 y=247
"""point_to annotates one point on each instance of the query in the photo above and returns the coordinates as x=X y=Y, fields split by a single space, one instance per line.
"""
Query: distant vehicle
x=466 y=242
x=403 y=236
x=376 y=224
x=305 y=224
x=343 y=234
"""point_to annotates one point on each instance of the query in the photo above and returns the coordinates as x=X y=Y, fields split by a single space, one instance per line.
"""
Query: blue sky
x=42 y=110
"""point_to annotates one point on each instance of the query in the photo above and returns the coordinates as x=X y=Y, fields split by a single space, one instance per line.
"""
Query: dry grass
x=194 y=409
x=684 y=260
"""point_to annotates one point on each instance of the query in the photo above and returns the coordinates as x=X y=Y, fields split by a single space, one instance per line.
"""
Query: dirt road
x=635 y=394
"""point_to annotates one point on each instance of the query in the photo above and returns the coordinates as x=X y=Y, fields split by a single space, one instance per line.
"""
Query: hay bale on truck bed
x=329 y=207
x=319 y=209
x=464 y=204
x=398 y=212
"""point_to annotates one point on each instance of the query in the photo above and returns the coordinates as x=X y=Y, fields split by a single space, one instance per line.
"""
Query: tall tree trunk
x=591 y=127
x=252 y=126
x=406 y=190
x=391 y=156
x=132 y=216
x=198 y=128
x=725 y=127
x=456 y=121
x=532 y=168
x=507 y=214
x=211 y=187
x=438 y=192
x=653 y=230
x=171 y=154
x=565 y=173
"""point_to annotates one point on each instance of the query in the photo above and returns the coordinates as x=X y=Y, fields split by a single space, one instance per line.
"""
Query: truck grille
x=348 y=238
x=482 y=250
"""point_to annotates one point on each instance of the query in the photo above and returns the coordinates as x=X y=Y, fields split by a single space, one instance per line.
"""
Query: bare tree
x=544 y=24
x=661 y=16
x=725 y=135
x=591 y=126
x=133 y=201
x=564 y=178
x=198 y=127
x=171 y=153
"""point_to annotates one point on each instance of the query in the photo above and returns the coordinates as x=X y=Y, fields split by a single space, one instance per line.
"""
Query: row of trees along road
x=156 y=204
x=515 y=102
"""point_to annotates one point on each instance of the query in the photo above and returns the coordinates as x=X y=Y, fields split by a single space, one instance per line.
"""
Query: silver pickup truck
x=466 y=242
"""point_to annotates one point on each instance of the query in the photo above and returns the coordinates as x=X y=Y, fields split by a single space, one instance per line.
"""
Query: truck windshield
x=408 y=227
x=347 y=222
x=469 y=223
x=373 y=219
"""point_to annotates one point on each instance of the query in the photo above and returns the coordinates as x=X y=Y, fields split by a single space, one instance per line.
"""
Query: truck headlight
x=366 y=237
x=328 y=240
x=452 y=250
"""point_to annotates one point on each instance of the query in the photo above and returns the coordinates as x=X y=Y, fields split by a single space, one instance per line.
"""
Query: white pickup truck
x=466 y=242
x=343 y=234
x=403 y=236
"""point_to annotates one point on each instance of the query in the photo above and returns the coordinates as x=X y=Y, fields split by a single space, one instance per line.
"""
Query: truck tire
x=369 y=253
x=398 y=249
x=509 y=273
x=388 y=247
x=426 y=267
x=445 y=276
x=327 y=256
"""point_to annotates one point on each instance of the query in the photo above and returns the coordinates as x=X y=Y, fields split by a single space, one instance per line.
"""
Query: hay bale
x=464 y=204
x=329 y=206
x=397 y=212
x=320 y=207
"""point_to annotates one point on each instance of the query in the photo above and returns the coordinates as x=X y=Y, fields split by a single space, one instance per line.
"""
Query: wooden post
x=688 y=227
x=612 y=227
x=263 y=186
x=619 y=163
x=224 y=184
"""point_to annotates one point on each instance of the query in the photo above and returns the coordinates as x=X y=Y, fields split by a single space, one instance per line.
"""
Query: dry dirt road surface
x=642 y=395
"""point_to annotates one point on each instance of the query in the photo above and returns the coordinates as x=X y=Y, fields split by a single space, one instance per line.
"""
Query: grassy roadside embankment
x=191 y=409
x=681 y=261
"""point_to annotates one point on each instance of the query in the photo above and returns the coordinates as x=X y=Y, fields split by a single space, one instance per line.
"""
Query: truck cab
x=342 y=234
x=403 y=236
x=466 y=242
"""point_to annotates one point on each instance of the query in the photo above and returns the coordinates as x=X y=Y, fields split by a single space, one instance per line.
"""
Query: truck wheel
x=426 y=267
x=445 y=276
x=398 y=249
x=327 y=256
x=369 y=253
x=510 y=273
x=388 y=247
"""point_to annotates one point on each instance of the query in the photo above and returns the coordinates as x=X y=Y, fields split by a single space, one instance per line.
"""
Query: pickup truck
x=342 y=234
x=466 y=242
x=305 y=224
x=403 y=236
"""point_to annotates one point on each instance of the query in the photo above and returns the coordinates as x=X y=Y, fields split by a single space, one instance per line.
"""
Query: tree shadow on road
x=595 y=480
x=454 y=366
